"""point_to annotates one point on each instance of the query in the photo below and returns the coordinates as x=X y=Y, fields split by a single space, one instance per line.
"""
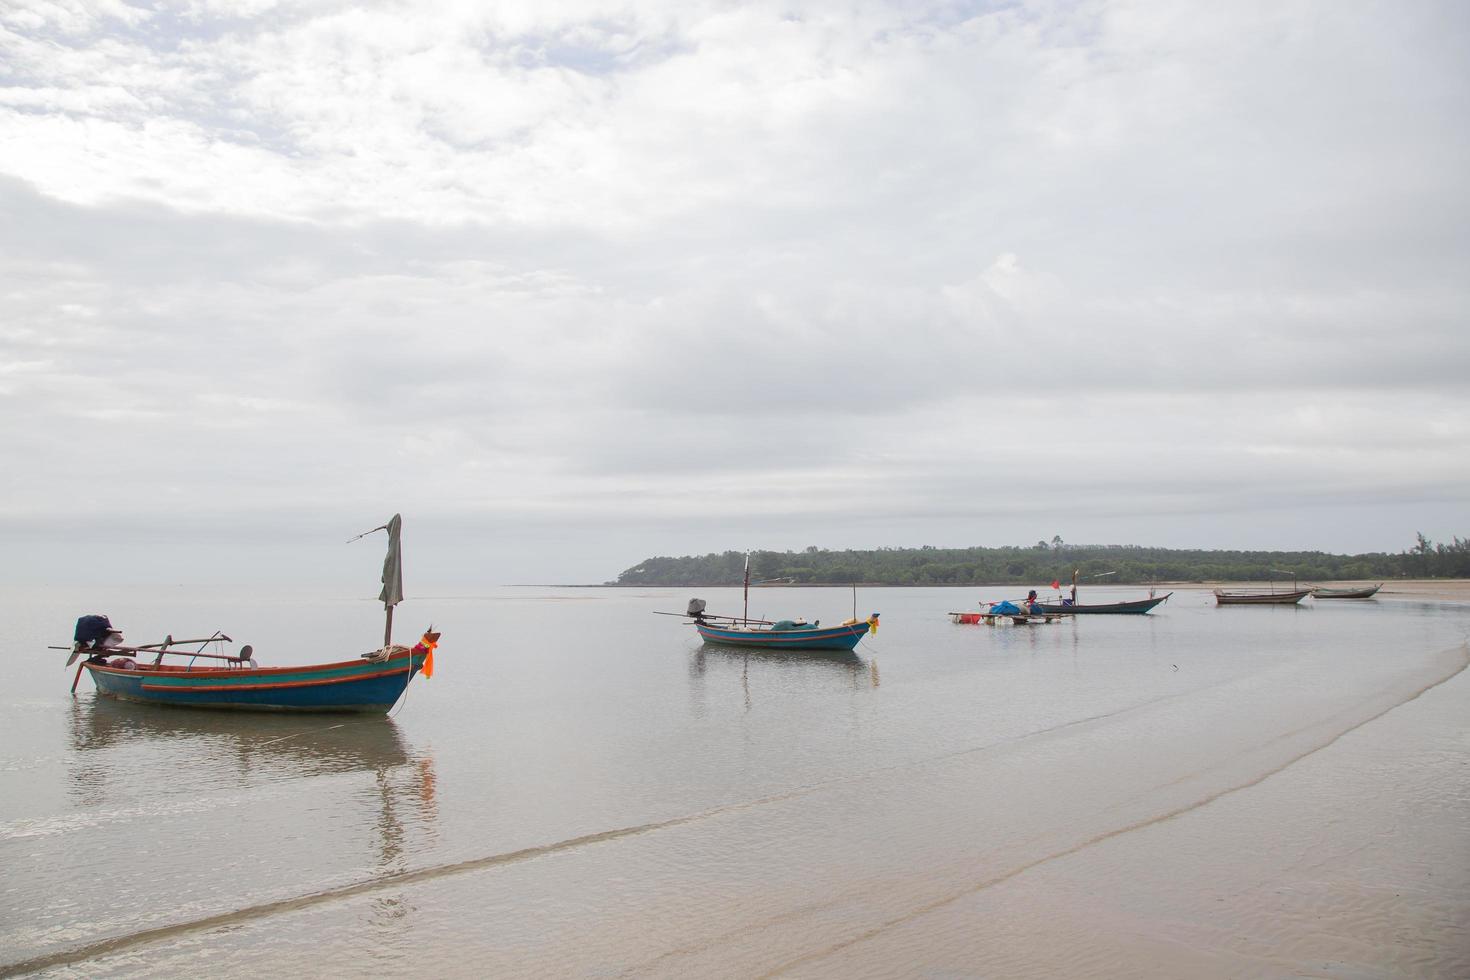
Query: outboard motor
x=696 y=609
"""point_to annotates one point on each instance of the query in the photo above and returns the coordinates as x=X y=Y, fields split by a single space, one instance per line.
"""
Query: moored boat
x=371 y=683
x=1223 y=598
x=1130 y=607
x=351 y=685
x=1024 y=612
x=990 y=618
x=784 y=634
x=787 y=634
x=1326 y=593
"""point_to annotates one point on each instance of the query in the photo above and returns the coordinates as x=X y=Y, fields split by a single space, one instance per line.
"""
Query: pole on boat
x=392 y=593
x=747 y=585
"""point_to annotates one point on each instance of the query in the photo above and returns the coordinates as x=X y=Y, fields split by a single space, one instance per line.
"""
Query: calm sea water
x=584 y=789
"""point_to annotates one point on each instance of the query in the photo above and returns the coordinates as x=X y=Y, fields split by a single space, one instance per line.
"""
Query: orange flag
x=1055 y=584
x=428 y=645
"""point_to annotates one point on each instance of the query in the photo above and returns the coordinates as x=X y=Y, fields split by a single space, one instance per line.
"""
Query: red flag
x=1055 y=584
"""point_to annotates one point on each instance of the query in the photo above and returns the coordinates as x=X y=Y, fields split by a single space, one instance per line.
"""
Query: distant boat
x=1323 y=593
x=1224 y=598
x=371 y=683
x=991 y=617
x=1132 y=607
x=1268 y=598
x=784 y=634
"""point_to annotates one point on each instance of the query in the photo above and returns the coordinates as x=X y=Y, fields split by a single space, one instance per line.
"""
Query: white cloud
x=876 y=270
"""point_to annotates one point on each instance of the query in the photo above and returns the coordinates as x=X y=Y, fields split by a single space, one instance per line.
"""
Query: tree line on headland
x=1044 y=561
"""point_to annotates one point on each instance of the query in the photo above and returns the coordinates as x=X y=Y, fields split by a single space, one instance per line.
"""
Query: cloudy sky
x=570 y=284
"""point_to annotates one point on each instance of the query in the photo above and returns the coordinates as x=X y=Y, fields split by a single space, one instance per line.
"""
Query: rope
x=212 y=639
x=309 y=731
x=403 y=698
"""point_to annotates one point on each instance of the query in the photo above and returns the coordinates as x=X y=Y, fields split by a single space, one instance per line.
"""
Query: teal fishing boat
x=783 y=634
x=370 y=683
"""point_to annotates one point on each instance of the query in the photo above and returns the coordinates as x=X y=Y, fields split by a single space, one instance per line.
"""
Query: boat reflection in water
x=258 y=743
x=780 y=669
x=209 y=753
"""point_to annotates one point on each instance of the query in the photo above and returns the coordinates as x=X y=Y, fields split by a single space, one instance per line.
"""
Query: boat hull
x=1260 y=598
x=1345 y=593
x=1135 y=607
x=350 y=686
x=830 y=638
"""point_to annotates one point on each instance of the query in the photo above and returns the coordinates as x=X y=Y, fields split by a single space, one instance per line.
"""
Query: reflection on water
x=116 y=744
x=845 y=660
x=305 y=745
x=768 y=670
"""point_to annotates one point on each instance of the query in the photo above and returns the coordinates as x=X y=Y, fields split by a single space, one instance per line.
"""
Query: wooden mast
x=747 y=586
x=392 y=593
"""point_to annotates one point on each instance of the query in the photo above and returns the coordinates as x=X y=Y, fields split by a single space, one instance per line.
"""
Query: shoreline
x=1442 y=590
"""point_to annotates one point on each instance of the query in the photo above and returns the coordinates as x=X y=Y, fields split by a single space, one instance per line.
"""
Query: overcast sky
x=572 y=284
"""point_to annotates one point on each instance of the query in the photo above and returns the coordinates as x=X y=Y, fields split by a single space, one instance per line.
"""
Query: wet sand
x=1352 y=861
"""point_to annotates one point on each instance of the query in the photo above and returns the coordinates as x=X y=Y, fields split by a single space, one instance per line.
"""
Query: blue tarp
x=1006 y=608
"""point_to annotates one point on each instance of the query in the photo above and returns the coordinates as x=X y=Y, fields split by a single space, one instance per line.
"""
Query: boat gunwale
x=172 y=670
x=278 y=686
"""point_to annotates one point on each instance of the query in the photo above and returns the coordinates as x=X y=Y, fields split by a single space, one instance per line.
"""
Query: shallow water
x=584 y=789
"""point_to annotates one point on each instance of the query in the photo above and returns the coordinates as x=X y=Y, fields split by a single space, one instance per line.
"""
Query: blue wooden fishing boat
x=786 y=634
x=350 y=685
x=371 y=683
